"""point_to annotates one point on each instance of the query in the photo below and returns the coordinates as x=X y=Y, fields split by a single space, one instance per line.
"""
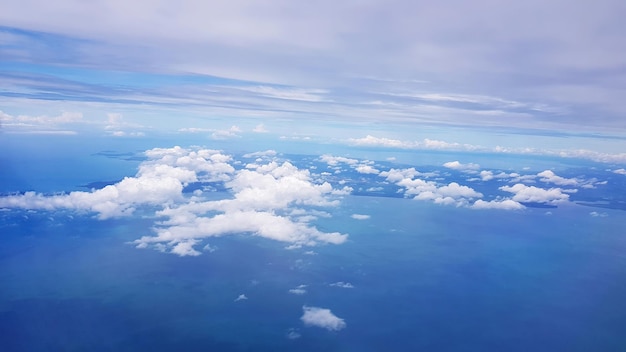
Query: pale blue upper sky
x=486 y=74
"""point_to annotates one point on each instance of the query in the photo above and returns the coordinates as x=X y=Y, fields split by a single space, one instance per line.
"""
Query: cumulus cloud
x=323 y=318
x=456 y=165
x=450 y=194
x=335 y=160
x=395 y=175
x=549 y=176
x=532 y=194
x=506 y=204
x=262 y=203
x=366 y=169
x=360 y=216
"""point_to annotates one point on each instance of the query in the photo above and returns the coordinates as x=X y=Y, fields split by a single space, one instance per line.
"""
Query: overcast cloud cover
x=527 y=67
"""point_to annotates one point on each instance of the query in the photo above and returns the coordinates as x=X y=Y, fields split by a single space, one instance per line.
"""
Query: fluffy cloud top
x=506 y=204
x=323 y=318
x=532 y=194
x=456 y=165
x=549 y=176
x=263 y=200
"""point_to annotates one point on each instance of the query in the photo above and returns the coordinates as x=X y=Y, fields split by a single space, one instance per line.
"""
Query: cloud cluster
x=449 y=194
x=456 y=165
x=532 y=194
x=271 y=200
x=323 y=318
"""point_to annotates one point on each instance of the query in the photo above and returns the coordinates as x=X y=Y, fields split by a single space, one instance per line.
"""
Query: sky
x=503 y=76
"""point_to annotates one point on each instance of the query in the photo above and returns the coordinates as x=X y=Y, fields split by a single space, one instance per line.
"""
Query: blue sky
x=487 y=76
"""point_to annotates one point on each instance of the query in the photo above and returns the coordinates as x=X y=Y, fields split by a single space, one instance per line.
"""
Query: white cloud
x=323 y=318
x=549 y=176
x=232 y=132
x=267 y=153
x=293 y=334
x=342 y=284
x=366 y=169
x=395 y=175
x=620 y=171
x=532 y=194
x=360 y=216
x=335 y=160
x=260 y=128
x=456 y=165
x=41 y=124
x=241 y=297
x=506 y=204
x=596 y=214
x=450 y=194
x=300 y=290
x=382 y=142
x=185 y=248
x=262 y=201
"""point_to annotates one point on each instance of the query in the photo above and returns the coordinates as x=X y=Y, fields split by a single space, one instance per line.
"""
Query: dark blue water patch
x=538 y=205
x=128 y=156
x=99 y=184
x=617 y=205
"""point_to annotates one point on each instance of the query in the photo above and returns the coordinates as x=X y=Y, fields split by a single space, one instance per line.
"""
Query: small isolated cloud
x=300 y=290
x=456 y=165
x=342 y=284
x=366 y=169
x=360 y=216
x=241 y=297
x=620 y=171
x=596 y=214
x=209 y=248
x=260 y=128
x=322 y=317
x=293 y=334
x=506 y=204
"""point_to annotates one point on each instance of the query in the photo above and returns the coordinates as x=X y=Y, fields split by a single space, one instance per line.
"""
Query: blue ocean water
x=423 y=276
